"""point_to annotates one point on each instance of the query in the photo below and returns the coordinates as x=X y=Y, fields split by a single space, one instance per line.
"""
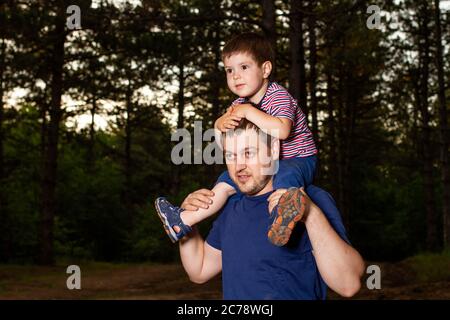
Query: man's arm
x=340 y=265
x=200 y=260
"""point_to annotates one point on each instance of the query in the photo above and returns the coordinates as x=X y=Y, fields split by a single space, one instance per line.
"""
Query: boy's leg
x=177 y=222
x=292 y=174
x=295 y=172
x=222 y=191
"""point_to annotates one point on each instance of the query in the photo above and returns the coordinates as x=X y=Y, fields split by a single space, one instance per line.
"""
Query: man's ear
x=275 y=147
x=267 y=69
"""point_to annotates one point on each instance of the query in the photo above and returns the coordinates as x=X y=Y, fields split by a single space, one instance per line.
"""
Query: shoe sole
x=169 y=230
x=291 y=208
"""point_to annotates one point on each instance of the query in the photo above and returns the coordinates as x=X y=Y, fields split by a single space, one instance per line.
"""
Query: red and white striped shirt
x=279 y=103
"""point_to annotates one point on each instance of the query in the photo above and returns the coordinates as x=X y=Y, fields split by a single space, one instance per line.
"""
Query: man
x=318 y=254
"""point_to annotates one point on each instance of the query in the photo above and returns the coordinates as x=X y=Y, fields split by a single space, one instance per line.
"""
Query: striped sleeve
x=282 y=106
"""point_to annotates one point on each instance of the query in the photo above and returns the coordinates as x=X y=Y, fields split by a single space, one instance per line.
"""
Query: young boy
x=248 y=60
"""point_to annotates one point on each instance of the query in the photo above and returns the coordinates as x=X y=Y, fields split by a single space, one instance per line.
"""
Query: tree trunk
x=48 y=207
x=297 y=73
x=341 y=146
x=269 y=27
x=333 y=168
x=424 y=58
x=443 y=129
x=90 y=159
x=215 y=94
x=215 y=90
x=2 y=85
x=128 y=159
x=180 y=123
x=6 y=252
x=313 y=64
x=350 y=120
x=294 y=41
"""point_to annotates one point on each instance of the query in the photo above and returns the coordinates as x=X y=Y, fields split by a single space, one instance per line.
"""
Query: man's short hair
x=245 y=124
x=255 y=44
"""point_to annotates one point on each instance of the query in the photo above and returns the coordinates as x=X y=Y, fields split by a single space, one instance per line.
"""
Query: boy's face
x=245 y=77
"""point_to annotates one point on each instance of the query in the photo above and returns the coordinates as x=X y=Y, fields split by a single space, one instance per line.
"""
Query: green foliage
x=107 y=179
x=429 y=267
x=149 y=242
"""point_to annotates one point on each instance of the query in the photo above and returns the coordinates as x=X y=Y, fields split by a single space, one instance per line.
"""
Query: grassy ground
x=420 y=277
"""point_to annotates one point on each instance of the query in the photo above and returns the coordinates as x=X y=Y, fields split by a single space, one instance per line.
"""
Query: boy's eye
x=244 y=67
x=228 y=70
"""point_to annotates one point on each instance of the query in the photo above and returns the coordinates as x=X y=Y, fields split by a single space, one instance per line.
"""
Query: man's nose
x=241 y=164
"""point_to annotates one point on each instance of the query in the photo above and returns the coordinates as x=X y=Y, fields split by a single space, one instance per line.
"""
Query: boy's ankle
x=185 y=219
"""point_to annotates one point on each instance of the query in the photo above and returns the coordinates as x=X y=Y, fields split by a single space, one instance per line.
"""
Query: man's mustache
x=242 y=171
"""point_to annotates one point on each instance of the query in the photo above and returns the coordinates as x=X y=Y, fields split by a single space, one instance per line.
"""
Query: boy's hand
x=240 y=110
x=228 y=121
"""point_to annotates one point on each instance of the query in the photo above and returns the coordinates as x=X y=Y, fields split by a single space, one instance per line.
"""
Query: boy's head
x=248 y=60
x=251 y=43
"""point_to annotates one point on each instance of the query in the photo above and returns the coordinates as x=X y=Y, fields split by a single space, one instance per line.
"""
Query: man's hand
x=309 y=204
x=198 y=199
x=274 y=198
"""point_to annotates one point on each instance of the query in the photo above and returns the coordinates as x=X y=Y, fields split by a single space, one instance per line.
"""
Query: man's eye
x=229 y=156
x=250 y=154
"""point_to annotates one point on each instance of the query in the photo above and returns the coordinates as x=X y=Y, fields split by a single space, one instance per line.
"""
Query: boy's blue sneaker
x=170 y=217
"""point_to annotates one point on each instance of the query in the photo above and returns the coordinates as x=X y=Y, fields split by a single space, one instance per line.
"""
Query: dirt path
x=156 y=281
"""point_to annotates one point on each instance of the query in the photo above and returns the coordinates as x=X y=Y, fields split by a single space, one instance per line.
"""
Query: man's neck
x=266 y=189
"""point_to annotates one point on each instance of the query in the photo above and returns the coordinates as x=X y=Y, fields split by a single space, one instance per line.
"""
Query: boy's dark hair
x=252 y=43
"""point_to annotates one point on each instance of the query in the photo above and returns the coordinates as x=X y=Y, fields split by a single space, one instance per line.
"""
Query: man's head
x=248 y=61
x=250 y=155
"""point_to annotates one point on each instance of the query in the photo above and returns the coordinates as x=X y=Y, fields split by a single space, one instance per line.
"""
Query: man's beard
x=255 y=187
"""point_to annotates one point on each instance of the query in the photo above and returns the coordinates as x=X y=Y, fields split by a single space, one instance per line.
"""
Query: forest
x=91 y=95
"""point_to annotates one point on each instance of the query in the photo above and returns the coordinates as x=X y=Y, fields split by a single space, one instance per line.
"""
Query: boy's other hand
x=240 y=110
x=228 y=121
x=198 y=199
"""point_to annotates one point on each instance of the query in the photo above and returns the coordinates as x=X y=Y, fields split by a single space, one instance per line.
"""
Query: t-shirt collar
x=259 y=104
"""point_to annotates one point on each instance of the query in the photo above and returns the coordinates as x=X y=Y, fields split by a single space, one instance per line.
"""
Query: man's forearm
x=339 y=264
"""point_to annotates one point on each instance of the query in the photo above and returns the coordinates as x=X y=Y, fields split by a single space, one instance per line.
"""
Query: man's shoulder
x=320 y=197
x=313 y=190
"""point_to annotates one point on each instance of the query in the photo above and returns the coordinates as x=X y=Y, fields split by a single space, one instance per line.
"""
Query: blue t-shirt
x=255 y=269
